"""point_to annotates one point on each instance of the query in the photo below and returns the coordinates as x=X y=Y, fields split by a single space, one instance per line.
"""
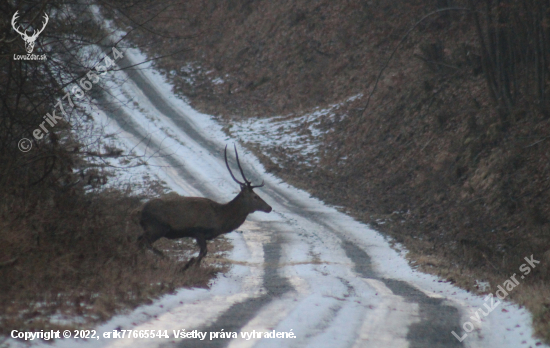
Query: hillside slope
x=451 y=156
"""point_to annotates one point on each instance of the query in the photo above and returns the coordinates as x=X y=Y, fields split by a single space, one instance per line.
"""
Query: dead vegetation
x=68 y=256
x=451 y=157
x=75 y=261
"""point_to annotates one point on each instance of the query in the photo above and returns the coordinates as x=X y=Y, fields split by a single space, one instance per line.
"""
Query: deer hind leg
x=146 y=244
x=203 y=250
x=152 y=231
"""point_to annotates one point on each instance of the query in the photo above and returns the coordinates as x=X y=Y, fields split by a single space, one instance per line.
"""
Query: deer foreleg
x=202 y=253
x=202 y=245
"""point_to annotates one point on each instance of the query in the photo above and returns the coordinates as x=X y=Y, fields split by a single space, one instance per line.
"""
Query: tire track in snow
x=238 y=315
x=434 y=316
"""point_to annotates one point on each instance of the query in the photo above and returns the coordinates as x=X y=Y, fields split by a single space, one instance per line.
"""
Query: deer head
x=252 y=201
x=29 y=40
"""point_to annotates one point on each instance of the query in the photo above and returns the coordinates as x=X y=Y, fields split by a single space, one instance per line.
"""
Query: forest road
x=314 y=276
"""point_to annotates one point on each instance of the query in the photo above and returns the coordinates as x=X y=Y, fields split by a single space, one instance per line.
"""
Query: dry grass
x=74 y=261
x=68 y=256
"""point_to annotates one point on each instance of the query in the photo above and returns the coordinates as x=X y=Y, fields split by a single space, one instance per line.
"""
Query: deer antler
x=242 y=172
x=24 y=33
x=239 y=164
x=13 y=20
x=260 y=185
x=247 y=182
x=230 y=172
x=35 y=34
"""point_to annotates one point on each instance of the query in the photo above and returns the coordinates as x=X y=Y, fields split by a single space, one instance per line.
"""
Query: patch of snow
x=352 y=98
x=218 y=81
x=482 y=286
x=301 y=137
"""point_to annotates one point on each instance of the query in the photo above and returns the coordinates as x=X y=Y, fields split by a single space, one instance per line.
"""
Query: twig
x=9 y=262
x=536 y=142
x=422 y=149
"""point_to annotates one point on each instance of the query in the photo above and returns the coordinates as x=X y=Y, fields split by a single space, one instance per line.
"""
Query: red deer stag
x=174 y=216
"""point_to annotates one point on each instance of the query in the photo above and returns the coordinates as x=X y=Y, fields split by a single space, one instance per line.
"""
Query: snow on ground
x=507 y=326
x=508 y=323
x=300 y=136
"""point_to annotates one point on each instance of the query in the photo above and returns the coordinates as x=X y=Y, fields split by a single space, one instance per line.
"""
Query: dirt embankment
x=452 y=153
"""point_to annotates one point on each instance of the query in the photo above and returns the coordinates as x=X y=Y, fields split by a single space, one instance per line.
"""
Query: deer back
x=181 y=213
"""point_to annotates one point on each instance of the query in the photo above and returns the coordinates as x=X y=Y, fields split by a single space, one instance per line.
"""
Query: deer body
x=174 y=216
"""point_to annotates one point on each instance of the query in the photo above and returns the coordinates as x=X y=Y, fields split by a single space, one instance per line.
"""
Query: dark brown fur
x=174 y=216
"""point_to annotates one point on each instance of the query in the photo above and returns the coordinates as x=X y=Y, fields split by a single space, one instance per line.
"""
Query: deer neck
x=235 y=213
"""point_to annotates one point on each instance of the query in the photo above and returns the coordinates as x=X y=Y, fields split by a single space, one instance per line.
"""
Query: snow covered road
x=304 y=268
